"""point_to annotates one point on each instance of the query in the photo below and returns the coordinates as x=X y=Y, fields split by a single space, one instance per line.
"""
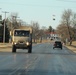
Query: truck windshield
x=21 y=33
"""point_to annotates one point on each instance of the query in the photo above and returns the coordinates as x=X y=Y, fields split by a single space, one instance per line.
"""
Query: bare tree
x=43 y=33
x=12 y=21
x=74 y=25
x=35 y=27
x=62 y=30
x=66 y=20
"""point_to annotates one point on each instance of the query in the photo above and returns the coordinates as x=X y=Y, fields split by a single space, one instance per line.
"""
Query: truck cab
x=22 y=39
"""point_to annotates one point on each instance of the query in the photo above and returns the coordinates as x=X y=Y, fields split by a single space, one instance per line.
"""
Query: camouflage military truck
x=22 y=38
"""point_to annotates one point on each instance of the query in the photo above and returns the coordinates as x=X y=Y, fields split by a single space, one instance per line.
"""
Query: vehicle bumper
x=21 y=46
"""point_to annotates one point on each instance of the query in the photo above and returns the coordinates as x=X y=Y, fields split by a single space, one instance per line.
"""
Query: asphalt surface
x=44 y=60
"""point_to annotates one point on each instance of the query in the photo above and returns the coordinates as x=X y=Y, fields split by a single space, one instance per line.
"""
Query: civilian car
x=57 y=44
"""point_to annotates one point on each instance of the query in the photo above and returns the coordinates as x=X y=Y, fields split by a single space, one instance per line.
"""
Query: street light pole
x=0 y=17
x=4 y=26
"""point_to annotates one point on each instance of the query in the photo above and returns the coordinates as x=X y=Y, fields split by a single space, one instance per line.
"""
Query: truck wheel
x=30 y=49
x=61 y=48
x=13 y=48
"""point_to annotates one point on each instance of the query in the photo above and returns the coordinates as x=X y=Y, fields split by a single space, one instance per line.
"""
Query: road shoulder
x=72 y=47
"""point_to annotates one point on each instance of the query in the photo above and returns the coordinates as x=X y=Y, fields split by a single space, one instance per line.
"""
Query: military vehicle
x=22 y=38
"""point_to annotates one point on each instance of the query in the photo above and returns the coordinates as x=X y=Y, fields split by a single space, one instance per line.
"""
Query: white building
x=53 y=36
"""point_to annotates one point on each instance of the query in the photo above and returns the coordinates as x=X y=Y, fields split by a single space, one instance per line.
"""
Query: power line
x=35 y=5
x=67 y=1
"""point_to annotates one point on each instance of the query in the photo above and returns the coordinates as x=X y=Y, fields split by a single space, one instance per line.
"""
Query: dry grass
x=72 y=47
x=74 y=43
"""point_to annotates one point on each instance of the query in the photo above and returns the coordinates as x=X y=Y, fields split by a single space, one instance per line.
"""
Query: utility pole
x=0 y=17
x=4 y=26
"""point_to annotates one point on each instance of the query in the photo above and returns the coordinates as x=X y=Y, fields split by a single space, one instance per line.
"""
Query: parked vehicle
x=57 y=44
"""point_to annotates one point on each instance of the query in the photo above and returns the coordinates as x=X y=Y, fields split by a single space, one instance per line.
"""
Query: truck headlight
x=27 y=43
x=15 y=43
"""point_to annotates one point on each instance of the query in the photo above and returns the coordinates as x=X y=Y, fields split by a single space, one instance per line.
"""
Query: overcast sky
x=40 y=11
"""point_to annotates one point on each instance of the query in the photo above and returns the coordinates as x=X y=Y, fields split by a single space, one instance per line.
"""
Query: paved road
x=42 y=61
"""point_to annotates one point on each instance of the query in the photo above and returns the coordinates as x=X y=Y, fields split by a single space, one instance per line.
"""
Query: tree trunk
x=70 y=41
